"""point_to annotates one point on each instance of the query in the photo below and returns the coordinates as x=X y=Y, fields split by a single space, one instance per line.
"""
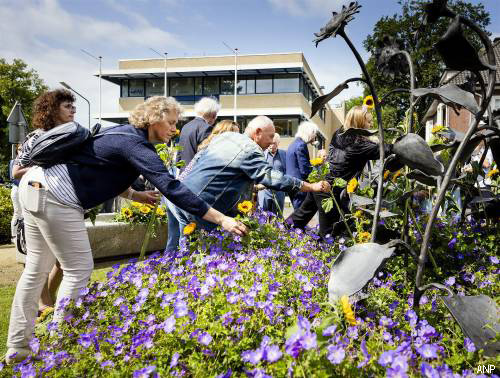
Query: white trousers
x=56 y=231
x=18 y=212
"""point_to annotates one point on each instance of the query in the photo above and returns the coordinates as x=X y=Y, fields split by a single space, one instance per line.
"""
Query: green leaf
x=327 y=204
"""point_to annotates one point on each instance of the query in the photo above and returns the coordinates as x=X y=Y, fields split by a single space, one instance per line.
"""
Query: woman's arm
x=18 y=171
x=227 y=223
x=147 y=196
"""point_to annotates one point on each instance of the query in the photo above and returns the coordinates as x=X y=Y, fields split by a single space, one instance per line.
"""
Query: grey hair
x=153 y=110
x=307 y=131
x=254 y=124
x=206 y=106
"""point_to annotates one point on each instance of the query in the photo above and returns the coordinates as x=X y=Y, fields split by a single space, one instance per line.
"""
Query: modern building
x=280 y=86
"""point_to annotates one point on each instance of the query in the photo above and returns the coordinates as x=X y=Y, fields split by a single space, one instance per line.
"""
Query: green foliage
x=17 y=83
x=6 y=211
x=427 y=63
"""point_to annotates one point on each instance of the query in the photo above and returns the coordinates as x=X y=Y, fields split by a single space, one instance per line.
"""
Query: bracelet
x=131 y=194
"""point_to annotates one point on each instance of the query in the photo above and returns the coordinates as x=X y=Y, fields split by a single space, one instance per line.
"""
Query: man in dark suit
x=277 y=160
x=195 y=131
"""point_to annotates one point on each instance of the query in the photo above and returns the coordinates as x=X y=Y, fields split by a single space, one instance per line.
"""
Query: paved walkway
x=10 y=270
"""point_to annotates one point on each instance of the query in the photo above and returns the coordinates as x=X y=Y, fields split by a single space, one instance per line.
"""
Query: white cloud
x=49 y=38
x=308 y=7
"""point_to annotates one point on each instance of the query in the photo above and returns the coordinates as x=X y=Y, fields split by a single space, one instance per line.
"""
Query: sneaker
x=16 y=355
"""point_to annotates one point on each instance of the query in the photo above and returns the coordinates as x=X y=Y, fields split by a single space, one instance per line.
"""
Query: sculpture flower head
x=352 y=185
x=245 y=207
x=434 y=10
x=347 y=309
x=388 y=57
x=316 y=161
x=338 y=22
x=368 y=102
x=189 y=229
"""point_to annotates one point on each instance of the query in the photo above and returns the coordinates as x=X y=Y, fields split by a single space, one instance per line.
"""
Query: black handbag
x=55 y=146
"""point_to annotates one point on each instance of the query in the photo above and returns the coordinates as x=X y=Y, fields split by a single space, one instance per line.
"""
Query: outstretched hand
x=234 y=226
x=148 y=196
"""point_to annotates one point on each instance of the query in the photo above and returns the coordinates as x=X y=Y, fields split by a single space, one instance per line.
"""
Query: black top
x=192 y=134
x=106 y=166
x=348 y=155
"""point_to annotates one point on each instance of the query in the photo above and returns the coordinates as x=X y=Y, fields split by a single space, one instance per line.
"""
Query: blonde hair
x=357 y=118
x=153 y=110
x=220 y=128
x=307 y=131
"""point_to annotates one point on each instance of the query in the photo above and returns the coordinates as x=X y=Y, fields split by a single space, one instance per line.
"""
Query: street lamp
x=99 y=59
x=71 y=89
x=235 y=51
x=165 y=87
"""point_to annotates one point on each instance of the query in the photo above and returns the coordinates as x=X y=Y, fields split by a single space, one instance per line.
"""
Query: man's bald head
x=261 y=130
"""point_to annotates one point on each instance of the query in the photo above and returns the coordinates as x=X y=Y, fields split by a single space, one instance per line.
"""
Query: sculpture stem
x=412 y=88
x=380 y=132
x=453 y=164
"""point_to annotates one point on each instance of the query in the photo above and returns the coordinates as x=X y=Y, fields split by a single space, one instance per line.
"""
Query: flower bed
x=258 y=306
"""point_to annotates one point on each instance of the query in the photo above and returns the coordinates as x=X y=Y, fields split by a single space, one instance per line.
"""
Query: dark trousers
x=298 y=199
x=329 y=223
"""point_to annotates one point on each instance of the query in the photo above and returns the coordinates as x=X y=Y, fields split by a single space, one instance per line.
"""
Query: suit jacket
x=192 y=134
x=297 y=160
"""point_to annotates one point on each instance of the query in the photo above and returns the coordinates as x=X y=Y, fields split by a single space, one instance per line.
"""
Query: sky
x=49 y=35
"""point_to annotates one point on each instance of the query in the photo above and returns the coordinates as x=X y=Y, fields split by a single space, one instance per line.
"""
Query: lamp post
x=165 y=86
x=71 y=89
x=99 y=59
x=235 y=51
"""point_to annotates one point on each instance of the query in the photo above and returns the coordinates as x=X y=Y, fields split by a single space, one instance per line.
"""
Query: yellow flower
x=126 y=212
x=493 y=173
x=396 y=175
x=386 y=174
x=189 y=229
x=368 y=102
x=352 y=185
x=364 y=237
x=145 y=209
x=136 y=204
x=348 y=312
x=160 y=211
x=358 y=214
x=316 y=161
x=177 y=132
x=245 y=207
x=437 y=129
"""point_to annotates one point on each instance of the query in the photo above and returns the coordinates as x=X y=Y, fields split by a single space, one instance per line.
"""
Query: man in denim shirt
x=224 y=173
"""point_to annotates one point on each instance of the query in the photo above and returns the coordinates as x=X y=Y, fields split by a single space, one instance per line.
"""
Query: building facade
x=280 y=86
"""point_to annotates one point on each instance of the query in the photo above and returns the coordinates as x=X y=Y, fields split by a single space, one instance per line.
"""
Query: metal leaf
x=457 y=52
x=422 y=178
x=478 y=317
x=321 y=101
x=413 y=151
x=382 y=214
x=450 y=94
x=355 y=267
x=360 y=200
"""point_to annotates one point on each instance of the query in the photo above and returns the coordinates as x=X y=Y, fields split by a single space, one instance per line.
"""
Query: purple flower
x=85 y=340
x=469 y=345
x=169 y=324
x=180 y=308
x=396 y=373
x=107 y=364
x=204 y=338
x=273 y=353
x=450 y=281
x=174 y=360
x=253 y=356
x=336 y=354
x=145 y=372
x=400 y=362
x=329 y=331
x=35 y=345
x=451 y=244
x=494 y=260
x=308 y=340
x=386 y=358
x=428 y=371
x=428 y=351
x=227 y=374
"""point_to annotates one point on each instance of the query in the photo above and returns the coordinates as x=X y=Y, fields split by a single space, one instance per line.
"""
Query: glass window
x=124 y=88
x=250 y=85
x=286 y=83
x=242 y=86
x=282 y=127
x=181 y=86
x=154 y=87
x=211 y=85
x=264 y=84
x=227 y=85
x=294 y=122
x=198 y=86
x=136 y=88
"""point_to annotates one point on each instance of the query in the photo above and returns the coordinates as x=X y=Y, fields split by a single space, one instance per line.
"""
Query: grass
x=7 y=294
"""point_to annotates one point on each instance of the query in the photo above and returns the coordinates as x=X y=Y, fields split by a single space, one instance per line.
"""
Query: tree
x=17 y=83
x=427 y=63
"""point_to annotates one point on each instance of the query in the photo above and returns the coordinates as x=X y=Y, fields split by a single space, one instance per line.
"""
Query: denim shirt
x=224 y=173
